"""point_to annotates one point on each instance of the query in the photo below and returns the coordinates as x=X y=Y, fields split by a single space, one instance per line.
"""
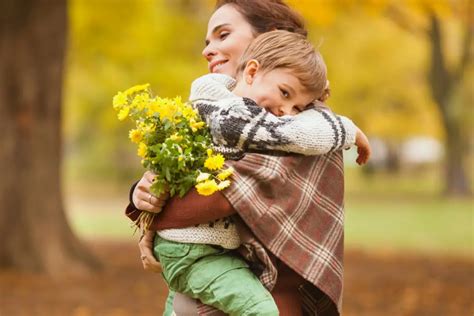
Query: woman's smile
x=228 y=35
x=215 y=65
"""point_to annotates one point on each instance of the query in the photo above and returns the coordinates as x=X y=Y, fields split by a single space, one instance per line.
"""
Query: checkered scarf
x=294 y=207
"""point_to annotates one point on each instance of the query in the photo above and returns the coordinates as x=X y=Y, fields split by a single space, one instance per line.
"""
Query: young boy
x=282 y=73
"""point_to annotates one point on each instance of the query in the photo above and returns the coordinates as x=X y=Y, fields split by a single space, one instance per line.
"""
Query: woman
x=299 y=199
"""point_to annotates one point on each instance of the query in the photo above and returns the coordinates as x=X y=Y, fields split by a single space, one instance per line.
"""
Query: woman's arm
x=189 y=210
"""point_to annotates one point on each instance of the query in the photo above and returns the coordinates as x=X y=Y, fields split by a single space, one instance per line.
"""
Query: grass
x=437 y=226
x=383 y=212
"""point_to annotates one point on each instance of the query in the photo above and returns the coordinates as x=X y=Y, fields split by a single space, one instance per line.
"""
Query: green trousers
x=214 y=276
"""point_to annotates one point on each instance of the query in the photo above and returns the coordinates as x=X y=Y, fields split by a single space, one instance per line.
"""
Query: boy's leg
x=169 y=303
x=215 y=277
x=236 y=291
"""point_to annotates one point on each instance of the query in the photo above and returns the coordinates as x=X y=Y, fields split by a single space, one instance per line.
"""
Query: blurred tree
x=445 y=75
x=32 y=220
x=112 y=47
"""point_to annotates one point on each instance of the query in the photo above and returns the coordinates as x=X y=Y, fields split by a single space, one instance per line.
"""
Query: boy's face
x=278 y=90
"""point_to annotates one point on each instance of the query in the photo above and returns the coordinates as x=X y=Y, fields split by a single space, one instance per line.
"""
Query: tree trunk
x=35 y=231
x=443 y=85
x=456 y=180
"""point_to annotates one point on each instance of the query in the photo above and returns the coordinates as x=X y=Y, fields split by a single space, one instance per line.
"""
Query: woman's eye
x=284 y=93
x=223 y=35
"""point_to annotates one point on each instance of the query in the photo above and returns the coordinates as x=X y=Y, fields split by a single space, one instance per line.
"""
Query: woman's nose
x=208 y=52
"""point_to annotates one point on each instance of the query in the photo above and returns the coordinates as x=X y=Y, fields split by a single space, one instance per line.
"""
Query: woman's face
x=228 y=35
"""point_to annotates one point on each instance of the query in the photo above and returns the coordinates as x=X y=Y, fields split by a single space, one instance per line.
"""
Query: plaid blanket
x=294 y=207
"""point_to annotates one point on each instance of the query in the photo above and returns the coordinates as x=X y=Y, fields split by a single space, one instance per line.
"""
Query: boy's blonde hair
x=283 y=49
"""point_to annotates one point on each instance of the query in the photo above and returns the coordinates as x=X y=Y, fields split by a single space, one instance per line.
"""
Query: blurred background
x=402 y=70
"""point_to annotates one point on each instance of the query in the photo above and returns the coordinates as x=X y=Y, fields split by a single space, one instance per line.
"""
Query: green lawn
x=438 y=225
x=385 y=212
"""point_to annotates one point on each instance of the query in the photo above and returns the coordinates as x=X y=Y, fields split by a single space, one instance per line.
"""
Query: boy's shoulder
x=211 y=87
x=215 y=79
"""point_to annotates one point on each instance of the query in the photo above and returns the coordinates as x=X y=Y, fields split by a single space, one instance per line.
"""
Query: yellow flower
x=202 y=176
x=196 y=125
x=207 y=187
x=223 y=184
x=147 y=128
x=135 y=135
x=209 y=152
x=123 y=113
x=140 y=101
x=214 y=162
x=136 y=89
x=176 y=137
x=225 y=174
x=120 y=99
x=189 y=113
x=142 y=150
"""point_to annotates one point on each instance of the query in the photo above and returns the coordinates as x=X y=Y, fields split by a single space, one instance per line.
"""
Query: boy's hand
x=148 y=260
x=363 y=147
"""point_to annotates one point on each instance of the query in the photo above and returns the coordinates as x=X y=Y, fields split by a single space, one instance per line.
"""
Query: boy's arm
x=240 y=123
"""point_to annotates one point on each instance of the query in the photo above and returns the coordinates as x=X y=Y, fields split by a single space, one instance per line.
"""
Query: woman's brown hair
x=268 y=15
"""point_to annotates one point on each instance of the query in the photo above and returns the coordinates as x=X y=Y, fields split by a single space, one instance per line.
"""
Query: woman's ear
x=251 y=70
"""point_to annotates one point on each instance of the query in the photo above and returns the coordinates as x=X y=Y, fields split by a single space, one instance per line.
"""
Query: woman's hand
x=146 y=253
x=143 y=199
x=363 y=147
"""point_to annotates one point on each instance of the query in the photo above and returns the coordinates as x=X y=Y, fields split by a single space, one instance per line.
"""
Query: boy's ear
x=251 y=70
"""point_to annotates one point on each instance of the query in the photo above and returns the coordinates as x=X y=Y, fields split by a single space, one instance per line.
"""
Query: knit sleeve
x=238 y=123
x=241 y=123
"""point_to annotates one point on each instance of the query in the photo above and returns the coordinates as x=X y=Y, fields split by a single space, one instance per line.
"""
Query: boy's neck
x=239 y=89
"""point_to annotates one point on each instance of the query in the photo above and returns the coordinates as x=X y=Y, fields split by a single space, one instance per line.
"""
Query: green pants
x=213 y=276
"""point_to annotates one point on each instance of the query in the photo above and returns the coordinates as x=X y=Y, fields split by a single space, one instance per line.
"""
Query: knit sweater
x=239 y=125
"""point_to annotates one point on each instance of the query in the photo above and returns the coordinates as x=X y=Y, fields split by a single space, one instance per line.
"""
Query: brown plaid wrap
x=295 y=207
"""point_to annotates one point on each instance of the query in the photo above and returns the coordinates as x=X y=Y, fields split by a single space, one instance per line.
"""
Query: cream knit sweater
x=238 y=125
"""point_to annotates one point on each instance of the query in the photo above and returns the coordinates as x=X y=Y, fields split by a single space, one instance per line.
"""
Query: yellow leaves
x=214 y=162
x=325 y=13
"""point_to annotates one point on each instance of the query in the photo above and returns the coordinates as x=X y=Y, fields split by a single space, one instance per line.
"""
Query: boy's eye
x=297 y=110
x=284 y=93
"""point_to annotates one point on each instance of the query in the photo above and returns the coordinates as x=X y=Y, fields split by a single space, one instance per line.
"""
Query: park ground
x=408 y=252
x=377 y=284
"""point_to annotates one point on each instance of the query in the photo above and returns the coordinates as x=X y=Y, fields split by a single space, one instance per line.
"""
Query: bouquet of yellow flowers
x=173 y=142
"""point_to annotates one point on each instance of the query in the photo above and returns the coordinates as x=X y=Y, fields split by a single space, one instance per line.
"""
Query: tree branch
x=466 y=56
x=403 y=21
x=439 y=75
